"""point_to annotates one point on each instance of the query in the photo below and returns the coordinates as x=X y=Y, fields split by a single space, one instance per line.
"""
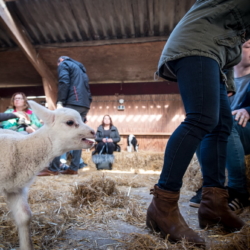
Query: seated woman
x=107 y=134
x=29 y=123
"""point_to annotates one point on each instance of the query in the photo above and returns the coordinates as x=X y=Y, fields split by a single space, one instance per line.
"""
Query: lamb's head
x=66 y=127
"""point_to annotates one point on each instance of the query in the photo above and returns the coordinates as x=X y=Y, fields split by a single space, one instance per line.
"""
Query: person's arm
x=117 y=136
x=98 y=136
x=7 y=116
x=63 y=83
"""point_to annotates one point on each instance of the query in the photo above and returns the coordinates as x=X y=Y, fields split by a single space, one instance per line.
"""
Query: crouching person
x=107 y=137
x=107 y=134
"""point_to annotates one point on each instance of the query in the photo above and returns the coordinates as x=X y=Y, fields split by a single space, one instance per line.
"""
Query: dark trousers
x=109 y=149
x=237 y=147
x=208 y=121
x=75 y=161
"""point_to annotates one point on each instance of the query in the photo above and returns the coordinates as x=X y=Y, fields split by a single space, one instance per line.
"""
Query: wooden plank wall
x=4 y=103
x=152 y=118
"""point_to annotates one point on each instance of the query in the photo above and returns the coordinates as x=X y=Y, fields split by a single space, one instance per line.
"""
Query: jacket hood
x=80 y=65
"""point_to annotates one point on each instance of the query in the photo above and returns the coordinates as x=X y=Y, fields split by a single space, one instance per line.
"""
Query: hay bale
x=127 y=161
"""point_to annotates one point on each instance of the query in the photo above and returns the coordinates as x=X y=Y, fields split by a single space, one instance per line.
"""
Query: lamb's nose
x=92 y=132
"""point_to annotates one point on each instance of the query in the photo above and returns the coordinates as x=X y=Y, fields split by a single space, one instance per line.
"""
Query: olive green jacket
x=211 y=28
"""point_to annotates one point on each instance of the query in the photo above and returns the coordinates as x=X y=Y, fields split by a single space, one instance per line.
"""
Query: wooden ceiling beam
x=49 y=81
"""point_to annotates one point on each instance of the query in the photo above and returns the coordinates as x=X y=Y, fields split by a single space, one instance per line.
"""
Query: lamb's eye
x=70 y=123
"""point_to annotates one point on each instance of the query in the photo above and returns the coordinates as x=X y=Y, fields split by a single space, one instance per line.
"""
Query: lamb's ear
x=46 y=115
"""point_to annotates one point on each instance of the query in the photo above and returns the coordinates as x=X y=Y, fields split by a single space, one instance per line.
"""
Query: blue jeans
x=208 y=121
x=64 y=157
x=238 y=146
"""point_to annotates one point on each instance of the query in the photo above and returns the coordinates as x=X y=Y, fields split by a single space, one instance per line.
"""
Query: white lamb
x=23 y=156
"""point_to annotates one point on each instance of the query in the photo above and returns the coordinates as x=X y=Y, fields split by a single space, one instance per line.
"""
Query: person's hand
x=110 y=140
x=18 y=115
x=29 y=129
x=229 y=94
x=59 y=105
x=104 y=140
x=242 y=116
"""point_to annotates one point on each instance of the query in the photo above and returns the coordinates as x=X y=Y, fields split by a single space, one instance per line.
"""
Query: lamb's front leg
x=18 y=203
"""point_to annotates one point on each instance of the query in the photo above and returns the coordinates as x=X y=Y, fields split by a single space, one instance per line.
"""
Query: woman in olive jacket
x=107 y=136
x=199 y=55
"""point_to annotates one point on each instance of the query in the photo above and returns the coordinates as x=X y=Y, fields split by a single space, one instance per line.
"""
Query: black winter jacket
x=114 y=134
x=73 y=84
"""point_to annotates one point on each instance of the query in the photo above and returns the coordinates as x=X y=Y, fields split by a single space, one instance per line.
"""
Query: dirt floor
x=106 y=210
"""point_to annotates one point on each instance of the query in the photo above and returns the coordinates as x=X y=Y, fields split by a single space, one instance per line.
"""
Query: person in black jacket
x=73 y=86
x=74 y=93
x=107 y=133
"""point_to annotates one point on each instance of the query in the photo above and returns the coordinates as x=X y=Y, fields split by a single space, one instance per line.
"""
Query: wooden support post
x=49 y=81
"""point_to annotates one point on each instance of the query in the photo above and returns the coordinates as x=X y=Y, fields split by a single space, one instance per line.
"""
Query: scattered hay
x=100 y=196
x=138 y=241
x=135 y=181
x=94 y=190
x=233 y=241
x=47 y=228
x=8 y=230
x=61 y=206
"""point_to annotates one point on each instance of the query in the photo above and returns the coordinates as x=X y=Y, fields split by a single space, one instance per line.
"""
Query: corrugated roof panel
x=63 y=21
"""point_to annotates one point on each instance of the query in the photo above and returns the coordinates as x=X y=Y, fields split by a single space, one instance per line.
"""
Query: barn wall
x=106 y=63
x=152 y=118
x=4 y=103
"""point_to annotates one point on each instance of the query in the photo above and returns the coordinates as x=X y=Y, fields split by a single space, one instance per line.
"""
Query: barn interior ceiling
x=119 y=41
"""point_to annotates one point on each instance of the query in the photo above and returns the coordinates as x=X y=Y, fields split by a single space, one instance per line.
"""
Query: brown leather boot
x=163 y=216
x=69 y=171
x=214 y=209
x=47 y=172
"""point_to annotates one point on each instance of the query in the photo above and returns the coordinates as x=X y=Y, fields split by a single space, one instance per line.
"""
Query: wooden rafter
x=49 y=81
